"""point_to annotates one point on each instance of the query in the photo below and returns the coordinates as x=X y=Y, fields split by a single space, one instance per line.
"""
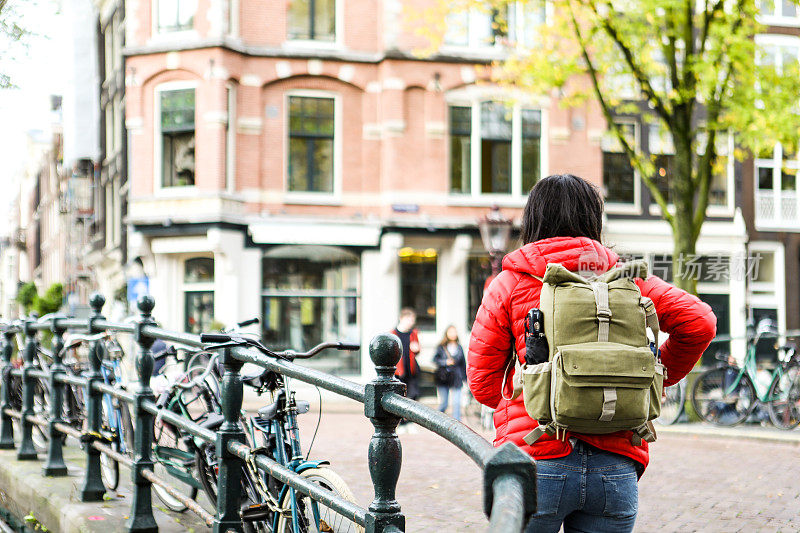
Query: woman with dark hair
x=584 y=482
x=451 y=371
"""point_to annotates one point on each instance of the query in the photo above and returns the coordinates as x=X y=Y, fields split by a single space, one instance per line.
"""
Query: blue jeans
x=445 y=393
x=589 y=491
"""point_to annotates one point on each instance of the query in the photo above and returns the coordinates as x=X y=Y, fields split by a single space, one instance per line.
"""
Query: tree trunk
x=683 y=234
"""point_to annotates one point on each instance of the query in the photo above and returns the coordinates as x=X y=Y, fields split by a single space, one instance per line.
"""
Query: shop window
x=311 y=134
x=198 y=283
x=312 y=20
x=176 y=15
x=310 y=294
x=177 y=137
x=418 y=275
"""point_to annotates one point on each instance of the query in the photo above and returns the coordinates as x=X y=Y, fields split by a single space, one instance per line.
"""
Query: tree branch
x=627 y=54
x=607 y=112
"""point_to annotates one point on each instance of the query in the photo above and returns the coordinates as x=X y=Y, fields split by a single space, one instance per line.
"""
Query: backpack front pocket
x=602 y=387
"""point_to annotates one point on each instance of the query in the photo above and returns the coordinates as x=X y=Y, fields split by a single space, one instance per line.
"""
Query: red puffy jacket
x=690 y=323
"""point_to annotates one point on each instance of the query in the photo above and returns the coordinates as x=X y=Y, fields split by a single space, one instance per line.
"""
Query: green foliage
x=691 y=67
x=51 y=301
x=11 y=32
x=26 y=296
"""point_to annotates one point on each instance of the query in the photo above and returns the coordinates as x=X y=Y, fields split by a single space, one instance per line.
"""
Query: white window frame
x=728 y=208
x=636 y=206
x=306 y=197
x=777 y=300
x=203 y=286
x=158 y=188
x=776 y=17
x=478 y=17
x=780 y=41
x=233 y=28
x=777 y=164
x=517 y=197
x=157 y=33
x=230 y=137
x=338 y=28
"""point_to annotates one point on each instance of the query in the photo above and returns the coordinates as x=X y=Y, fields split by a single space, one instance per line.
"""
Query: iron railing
x=509 y=473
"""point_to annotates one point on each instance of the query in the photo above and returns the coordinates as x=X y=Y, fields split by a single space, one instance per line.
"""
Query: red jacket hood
x=575 y=253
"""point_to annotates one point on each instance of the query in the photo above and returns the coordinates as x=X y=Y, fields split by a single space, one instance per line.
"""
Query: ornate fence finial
x=141 y=519
x=27 y=451
x=96 y=302
x=6 y=426
x=93 y=489
x=385 y=453
x=54 y=465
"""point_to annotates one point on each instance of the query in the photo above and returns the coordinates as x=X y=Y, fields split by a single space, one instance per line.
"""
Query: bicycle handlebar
x=246 y=323
x=228 y=340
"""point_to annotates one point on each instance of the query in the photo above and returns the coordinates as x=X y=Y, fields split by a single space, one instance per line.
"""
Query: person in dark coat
x=451 y=371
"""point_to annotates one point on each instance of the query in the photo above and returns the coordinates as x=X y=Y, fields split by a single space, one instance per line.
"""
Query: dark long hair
x=562 y=205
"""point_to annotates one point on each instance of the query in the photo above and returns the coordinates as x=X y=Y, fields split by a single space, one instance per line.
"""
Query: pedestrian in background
x=408 y=369
x=451 y=371
x=586 y=483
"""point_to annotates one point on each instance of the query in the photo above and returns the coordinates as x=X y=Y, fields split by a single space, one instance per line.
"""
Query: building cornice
x=348 y=56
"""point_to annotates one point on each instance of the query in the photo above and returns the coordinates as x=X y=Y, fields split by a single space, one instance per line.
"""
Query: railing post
x=27 y=451
x=54 y=465
x=230 y=466
x=385 y=453
x=6 y=427
x=93 y=489
x=142 y=519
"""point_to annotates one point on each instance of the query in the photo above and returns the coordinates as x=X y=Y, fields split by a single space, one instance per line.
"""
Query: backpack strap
x=646 y=432
x=600 y=289
x=651 y=318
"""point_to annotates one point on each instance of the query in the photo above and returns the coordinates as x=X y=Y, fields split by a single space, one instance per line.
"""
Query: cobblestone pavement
x=694 y=482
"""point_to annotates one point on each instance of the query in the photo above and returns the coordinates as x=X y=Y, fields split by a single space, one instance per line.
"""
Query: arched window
x=198 y=270
x=198 y=294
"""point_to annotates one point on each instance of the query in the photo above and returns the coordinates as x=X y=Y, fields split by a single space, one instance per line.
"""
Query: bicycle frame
x=284 y=428
x=112 y=375
x=749 y=367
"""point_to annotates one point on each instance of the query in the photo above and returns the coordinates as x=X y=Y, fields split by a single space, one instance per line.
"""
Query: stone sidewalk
x=55 y=502
x=697 y=481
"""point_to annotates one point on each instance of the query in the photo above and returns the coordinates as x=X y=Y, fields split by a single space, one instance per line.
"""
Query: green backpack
x=601 y=375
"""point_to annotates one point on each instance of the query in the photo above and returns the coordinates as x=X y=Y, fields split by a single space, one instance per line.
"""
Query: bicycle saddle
x=269 y=412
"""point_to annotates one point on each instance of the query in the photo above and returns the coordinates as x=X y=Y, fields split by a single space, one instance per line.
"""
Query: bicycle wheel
x=719 y=399
x=174 y=463
x=109 y=426
x=784 y=395
x=329 y=520
x=672 y=406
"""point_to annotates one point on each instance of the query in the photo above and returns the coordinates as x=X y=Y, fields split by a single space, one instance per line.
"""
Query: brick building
x=297 y=161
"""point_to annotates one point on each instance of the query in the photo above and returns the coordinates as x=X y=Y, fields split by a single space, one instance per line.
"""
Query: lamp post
x=495 y=230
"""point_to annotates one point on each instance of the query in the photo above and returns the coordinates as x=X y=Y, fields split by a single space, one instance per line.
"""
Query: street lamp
x=495 y=231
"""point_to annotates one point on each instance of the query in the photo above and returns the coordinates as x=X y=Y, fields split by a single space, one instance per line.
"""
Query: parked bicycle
x=270 y=505
x=728 y=394
x=672 y=406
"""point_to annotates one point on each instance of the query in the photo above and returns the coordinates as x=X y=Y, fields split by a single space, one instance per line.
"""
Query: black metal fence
x=509 y=473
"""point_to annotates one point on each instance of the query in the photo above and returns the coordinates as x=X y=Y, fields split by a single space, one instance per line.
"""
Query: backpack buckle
x=604 y=314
